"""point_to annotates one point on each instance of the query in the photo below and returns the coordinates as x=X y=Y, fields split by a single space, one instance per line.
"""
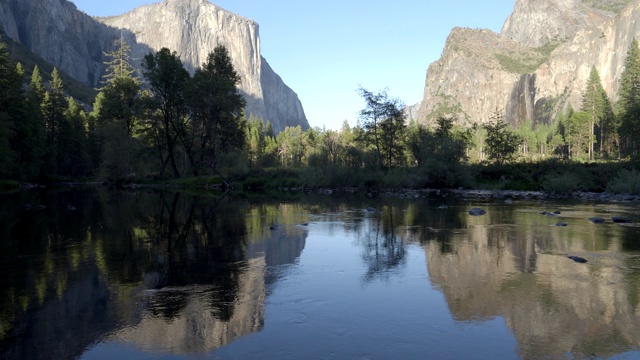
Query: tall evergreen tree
x=53 y=108
x=502 y=142
x=595 y=102
x=577 y=134
x=34 y=150
x=120 y=101
x=73 y=157
x=119 y=63
x=629 y=101
x=11 y=109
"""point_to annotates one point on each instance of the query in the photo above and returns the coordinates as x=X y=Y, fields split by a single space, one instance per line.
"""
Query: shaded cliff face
x=537 y=65
x=75 y=42
x=60 y=34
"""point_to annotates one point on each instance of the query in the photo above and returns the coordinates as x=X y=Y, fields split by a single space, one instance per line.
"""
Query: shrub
x=562 y=184
x=627 y=182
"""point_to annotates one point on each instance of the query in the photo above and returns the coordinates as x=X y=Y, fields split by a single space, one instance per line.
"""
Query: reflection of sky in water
x=409 y=281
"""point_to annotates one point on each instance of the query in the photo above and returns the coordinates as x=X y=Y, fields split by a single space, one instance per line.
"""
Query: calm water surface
x=102 y=274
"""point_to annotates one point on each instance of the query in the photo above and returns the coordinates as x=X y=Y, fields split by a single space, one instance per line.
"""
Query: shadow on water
x=80 y=260
x=173 y=273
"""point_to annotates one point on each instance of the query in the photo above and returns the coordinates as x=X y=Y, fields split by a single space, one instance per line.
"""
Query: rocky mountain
x=539 y=63
x=75 y=42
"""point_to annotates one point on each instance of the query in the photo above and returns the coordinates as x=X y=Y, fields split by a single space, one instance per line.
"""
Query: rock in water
x=561 y=224
x=477 y=212
x=621 y=220
x=577 y=259
x=597 y=220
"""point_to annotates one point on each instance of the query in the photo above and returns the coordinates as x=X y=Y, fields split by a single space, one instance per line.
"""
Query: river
x=89 y=273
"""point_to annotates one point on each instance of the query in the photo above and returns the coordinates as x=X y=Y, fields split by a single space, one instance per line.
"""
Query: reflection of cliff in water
x=167 y=272
x=201 y=318
x=555 y=307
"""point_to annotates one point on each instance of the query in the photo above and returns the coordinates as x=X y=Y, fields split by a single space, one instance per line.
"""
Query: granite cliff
x=75 y=42
x=539 y=63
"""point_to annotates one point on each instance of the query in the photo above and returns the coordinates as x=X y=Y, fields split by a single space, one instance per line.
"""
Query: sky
x=325 y=50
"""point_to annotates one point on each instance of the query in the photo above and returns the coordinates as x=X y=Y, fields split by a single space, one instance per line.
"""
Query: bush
x=627 y=182
x=9 y=185
x=562 y=184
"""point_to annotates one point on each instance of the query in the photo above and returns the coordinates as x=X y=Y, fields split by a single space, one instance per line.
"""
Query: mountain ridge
x=75 y=42
x=539 y=74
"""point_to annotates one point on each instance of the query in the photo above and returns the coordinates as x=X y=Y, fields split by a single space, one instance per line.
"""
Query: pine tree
x=119 y=64
x=502 y=142
x=10 y=109
x=120 y=100
x=53 y=107
x=596 y=103
x=73 y=157
x=629 y=101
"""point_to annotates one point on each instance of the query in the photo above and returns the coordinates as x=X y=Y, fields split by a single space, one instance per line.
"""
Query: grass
x=200 y=181
x=9 y=185
x=527 y=62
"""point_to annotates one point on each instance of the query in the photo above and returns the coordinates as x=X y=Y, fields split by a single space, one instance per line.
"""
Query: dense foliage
x=164 y=123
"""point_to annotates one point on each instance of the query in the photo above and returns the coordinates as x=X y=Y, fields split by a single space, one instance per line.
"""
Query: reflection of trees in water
x=82 y=260
x=194 y=245
x=383 y=249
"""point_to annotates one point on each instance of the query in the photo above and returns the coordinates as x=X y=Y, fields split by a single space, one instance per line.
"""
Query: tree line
x=166 y=123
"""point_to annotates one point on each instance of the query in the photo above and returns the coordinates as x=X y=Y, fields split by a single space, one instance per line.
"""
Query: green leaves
x=502 y=142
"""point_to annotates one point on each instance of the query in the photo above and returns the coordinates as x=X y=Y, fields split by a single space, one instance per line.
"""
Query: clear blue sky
x=325 y=49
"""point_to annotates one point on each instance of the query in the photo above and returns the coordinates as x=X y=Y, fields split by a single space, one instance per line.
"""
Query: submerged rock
x=597 y=220
x=561 y=224
x=577 y=259
x=621 y=220
x=477 y=212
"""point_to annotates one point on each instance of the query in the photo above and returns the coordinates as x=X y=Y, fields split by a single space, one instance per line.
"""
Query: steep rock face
x=279 y=100
x=535 y=22
x=75 y=42
x=480 y=71
x=469 y=81
x=59 y=33
x=193 y=28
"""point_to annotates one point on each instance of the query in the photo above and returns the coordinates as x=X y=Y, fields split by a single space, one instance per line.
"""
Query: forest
x=161 y=124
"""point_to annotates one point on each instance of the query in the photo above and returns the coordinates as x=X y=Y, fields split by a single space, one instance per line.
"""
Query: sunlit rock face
x=538 y=64
x=194 y=327
x=75 y=42
x=202 y=318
